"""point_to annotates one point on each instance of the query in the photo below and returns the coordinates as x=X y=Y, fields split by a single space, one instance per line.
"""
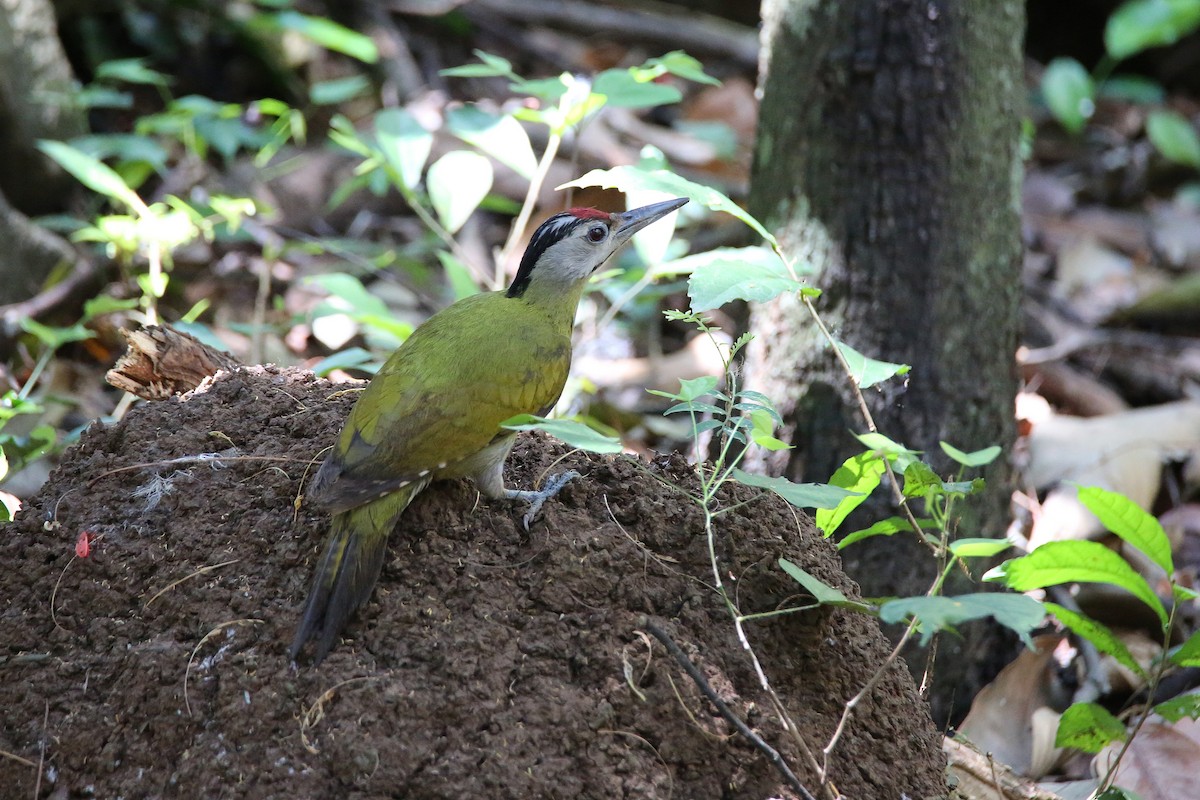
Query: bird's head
x=571 y=245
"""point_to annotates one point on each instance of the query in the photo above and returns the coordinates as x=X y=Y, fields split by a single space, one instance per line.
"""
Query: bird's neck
x=557 y=301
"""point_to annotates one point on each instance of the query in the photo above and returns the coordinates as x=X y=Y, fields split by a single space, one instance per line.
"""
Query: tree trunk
x=36 y=102
x=888 y=159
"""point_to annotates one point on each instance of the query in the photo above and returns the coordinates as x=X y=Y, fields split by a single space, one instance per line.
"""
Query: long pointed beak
x=633 y=221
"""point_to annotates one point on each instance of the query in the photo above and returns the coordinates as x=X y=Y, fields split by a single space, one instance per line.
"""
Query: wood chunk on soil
x=490 y=663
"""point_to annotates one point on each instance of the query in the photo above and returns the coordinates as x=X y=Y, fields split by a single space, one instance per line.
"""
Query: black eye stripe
x=552 y=230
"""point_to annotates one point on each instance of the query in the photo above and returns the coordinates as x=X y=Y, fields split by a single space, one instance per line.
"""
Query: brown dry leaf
x=1161 y=762
x=1120 y=452
x=1014 y=718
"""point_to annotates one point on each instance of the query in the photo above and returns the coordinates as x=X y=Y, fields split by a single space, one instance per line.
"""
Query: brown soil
x=491 y=662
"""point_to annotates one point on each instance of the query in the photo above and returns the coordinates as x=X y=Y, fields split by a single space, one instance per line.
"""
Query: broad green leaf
x=1088 y=727
x=1175 y=137
x=1096 y=633
x=106 y=304
x=1069 y=93
x=763 y=430
x=461 y=280
x=457 y=183
x=338 y=90
x=350 y=358
x=868 y=371
x=1014 y=611
x=498 y=135
x=329 y=34
x=573 y=433
x=691 y=389
x=1188 y=654
x=92 y=173
x=822 y=592
x=1133 y=89
x=622 y=89
x=978 y=548
x=1175 y=709
x=884 y=527
x=898 y=453
x=130 y=70
x=1127 y=520
x=859 y=474
x=919 y=479
x=492 y=67
x=55 y=338
x=1142 y=24
x=1075 y=562
x=735 y=258
x=801 y=495
x=720 y=276
x=404 y=143
x=680 y=64
x=626 y=178
x=979 y=458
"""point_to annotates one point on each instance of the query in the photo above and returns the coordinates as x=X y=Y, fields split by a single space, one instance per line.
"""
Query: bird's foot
x=536 y=499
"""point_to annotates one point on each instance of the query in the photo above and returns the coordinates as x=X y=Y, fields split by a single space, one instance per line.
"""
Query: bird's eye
x=597 y=233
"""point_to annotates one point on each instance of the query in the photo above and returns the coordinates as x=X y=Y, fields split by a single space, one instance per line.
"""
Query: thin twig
x=733 y=719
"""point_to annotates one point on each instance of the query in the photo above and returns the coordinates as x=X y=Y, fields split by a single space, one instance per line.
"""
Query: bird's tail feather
x=348 y=570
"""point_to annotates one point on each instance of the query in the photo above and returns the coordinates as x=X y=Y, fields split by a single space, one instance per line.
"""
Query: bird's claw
x=536 y=499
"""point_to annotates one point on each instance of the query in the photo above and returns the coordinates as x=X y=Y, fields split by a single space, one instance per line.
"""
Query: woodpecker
x=433 y=411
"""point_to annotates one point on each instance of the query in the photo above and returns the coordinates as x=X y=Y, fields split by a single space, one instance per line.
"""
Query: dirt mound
x=490 y=663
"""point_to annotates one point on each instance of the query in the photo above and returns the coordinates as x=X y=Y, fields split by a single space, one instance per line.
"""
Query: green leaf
x=329 y=34
x=404 y=143
x=573 y=433
x=868 y=371
x=492 y=67
x=1014 y=611
x=1088 y=727
x=979 y=458
x=1175 y=709
x=1127 y=520
x=1133 y=89
x=350 y=358
x=1069 y=93
x=801 y=495
x=978 y=548
x=682 y=65
x=130 y=70
x=763 y=429
x=691 y=389
x=622 y=89
x=457 y=183
x=92 y=173
x=627 y=178
x=55 y=338
x=106 y=304
x=720 y=276
x=461 y=280
x=1142 y=24
x=1188 y=654
x=884 y=527
x=498 y=135
x=919 y=479
x=822 y=592
x=1096 y=633
x=1175 y=137
x=859 y=474
x=895 y=451
x=338 y=90
x=1068 y=562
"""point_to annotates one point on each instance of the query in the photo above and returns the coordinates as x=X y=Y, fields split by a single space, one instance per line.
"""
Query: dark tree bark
x=888 y=159
x=36 y=86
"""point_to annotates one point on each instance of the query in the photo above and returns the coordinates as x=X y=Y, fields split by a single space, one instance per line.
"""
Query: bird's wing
x=441 y=397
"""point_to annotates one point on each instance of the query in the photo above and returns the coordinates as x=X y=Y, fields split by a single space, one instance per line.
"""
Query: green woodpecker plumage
x=434 y=409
